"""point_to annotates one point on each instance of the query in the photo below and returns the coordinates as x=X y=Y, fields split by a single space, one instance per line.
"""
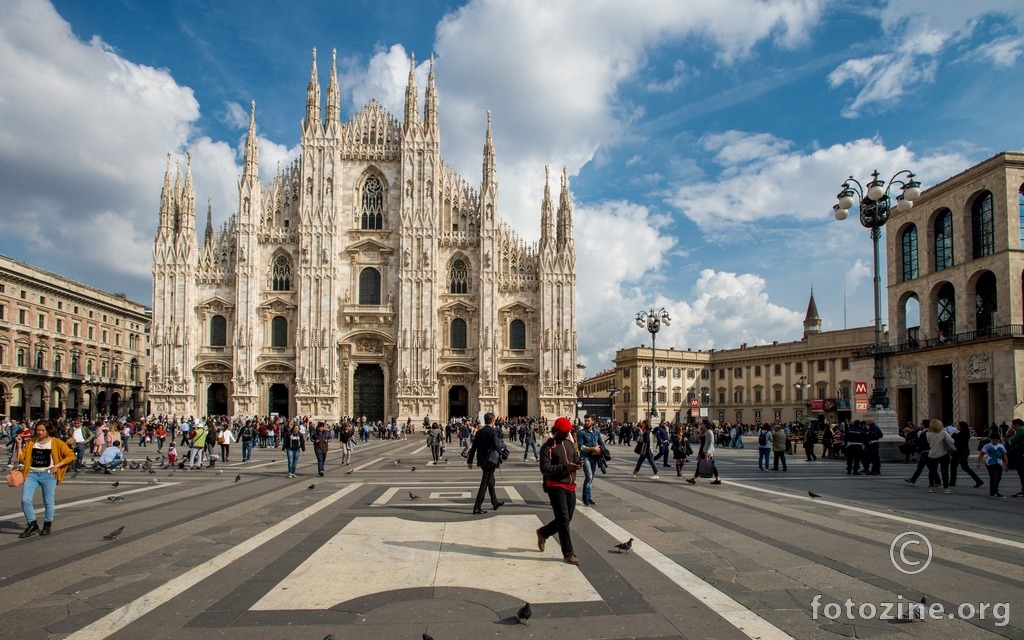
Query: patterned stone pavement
x=356 y=556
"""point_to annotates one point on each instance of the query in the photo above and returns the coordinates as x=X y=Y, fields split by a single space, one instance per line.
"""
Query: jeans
x=588 y=475
x=80 y=456
x=293 y=459
x=247 y=449
x=640 y=462
x=662 y=454
x=995 y=474
x=764 y=454
x=48 y=483
x=321 y=460
x=526 y=453
x=563 y=503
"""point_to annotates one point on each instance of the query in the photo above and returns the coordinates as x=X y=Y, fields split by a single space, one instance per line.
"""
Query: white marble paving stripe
x=367 y=464
x=123 y=616
x=917 y=522
x=745 y=620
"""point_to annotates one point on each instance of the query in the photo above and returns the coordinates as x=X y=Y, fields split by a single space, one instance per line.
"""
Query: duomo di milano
x=367 y=279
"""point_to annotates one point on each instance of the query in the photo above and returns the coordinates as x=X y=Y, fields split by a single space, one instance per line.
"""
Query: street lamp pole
x=652 y=321
x=875 y=205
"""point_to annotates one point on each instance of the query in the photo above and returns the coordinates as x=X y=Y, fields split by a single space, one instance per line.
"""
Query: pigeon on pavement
x=116 y=484
x=349 y=472
x=414 y=468
x=624 y=547
x=113 y=534
x=426 y=637
x=813 y=495
x=153 y=480
x=523 y=615
x=312 y=486
x=917 y=610
x=413 y=496
x=115 y=499
x=238 y=477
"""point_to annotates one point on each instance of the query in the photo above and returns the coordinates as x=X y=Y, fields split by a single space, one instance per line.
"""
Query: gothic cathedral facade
x=367 y=279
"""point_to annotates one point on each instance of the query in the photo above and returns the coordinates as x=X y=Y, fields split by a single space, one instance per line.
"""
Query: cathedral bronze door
x=458 y=402
x=517 y=402
x=217 y=400
x=278 y=400
x=368 y=392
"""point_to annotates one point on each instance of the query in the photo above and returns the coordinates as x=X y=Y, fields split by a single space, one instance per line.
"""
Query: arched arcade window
x=945 y=310
x=985 y=303
x=369 y=286
x=909 y=245
x=943 y=240
x=983 y=226
x=373 y=205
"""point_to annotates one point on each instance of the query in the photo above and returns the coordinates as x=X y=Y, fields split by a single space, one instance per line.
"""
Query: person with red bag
x=45 y=459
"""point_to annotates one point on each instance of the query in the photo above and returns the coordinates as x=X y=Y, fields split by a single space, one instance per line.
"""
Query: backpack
x=763 y=439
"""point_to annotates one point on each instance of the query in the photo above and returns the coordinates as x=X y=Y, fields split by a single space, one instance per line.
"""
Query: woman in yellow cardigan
x=45 y=459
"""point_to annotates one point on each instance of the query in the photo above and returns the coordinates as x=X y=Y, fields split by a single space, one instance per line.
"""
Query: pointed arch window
x=983 y=226
x=909 y=242
x=282 y=274
x=459 y=277
x=369 y=286
x=373 y=204
x=279 y=332
x=218 y=331
x=517 y=335
x=943 y=240
x=458 y=333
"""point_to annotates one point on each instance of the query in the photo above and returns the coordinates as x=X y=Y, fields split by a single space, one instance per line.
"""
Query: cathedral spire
x=547 y=221
x=490 y=170
x=411 y=97
x=209 y=221
x=333 y=93
x=251 y=167
x=430 y=103
x=167 y=199
x=188 y=197
x=812 y=321
x=564 y=213
x=312 y=122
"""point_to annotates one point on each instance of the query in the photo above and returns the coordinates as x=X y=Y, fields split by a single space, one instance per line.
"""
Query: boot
x=29 y=530
x=46 y=528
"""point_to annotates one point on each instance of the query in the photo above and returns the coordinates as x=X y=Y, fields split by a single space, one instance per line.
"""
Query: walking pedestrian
x=321 y=440
x=530 y=441
x=590 y=444
x=810 y=439
x=644 y=445
x=996 y=461
x=559 y=462
x=764 y=447
x=706 y=452
x=485 y=441
x=961 y=459
x=45 y=459
x=940 y=444
x=293 y=444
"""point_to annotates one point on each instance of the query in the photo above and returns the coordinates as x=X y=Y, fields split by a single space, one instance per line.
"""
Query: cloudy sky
x=705 y=140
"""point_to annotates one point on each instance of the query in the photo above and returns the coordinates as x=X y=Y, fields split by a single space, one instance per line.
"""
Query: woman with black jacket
x=961 y=458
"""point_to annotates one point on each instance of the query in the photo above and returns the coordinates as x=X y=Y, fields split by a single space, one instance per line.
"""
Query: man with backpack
x=810 y=439
x=247 y=435
x=764 y=447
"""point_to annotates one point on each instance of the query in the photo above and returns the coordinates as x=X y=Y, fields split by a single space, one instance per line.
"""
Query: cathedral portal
x=368 y=392
x=458 y=402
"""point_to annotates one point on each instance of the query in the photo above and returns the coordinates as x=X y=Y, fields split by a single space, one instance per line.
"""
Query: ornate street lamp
x=652 y=321
x=875 y=205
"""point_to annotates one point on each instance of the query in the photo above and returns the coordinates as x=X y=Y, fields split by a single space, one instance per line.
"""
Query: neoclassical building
x=68 y=350
x=956 y=297
x=367 y=278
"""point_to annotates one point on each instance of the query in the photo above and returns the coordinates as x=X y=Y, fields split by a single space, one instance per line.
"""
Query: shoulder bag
x=15 y=478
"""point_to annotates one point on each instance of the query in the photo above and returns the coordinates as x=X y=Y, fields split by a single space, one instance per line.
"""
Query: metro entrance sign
x=860 y=388
x=695 y=402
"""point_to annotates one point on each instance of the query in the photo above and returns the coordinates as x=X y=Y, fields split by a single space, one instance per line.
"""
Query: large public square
x=356 y=556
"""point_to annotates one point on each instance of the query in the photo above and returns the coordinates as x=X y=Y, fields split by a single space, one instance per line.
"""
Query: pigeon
x=311 y=487
x=220 y=471
x=349 y=472
x=151 y=472
x=916 y=610
x=399 y=461
x=116 y=484
x=113 y=534
x=414 y=468
x=238 y=477
x=426 y=637
x=148 y=459
x=813 y=495
x=329 y=636
x=170 y=474
x=413 y=496
x=523 y=615
x=624 y=547
x=115 y=498
x=153 y=480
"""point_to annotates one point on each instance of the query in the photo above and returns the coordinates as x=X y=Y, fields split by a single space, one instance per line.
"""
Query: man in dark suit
x=485 y=441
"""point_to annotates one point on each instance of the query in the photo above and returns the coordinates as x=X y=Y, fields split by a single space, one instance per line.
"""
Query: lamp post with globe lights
x=875 y=205
x=652 y=321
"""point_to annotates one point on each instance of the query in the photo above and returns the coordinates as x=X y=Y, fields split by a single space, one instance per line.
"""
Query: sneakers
x=931 y=489
x=1019 y=494
x=291 y=475
x=998 y=495
x=540 y=540
x=46 y=528
x=655 y=477
x=634 y=475
x=909 y=481
x=947 y=490
x=572 y=559
x=31 y=529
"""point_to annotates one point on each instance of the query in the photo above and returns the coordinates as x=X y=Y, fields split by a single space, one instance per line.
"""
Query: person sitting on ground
x=111 y=458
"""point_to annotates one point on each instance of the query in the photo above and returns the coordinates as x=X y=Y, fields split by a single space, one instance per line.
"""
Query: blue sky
x=705 y=140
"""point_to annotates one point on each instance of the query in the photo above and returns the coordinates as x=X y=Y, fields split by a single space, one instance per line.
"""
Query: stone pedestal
x=889 y=445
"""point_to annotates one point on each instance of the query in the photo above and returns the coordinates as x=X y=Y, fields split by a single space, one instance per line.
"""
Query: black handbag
x=640 y=448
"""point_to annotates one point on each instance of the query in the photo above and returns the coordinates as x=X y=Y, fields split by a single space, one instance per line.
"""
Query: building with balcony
x=956 y=298
x=67 y=349
x=367 y=279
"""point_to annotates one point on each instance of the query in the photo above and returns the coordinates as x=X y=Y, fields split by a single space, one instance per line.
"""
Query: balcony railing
x=925 y=343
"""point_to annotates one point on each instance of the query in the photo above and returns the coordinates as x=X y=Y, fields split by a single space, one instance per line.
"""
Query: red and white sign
x=860 y=388
x=694 y=402
x=861 y=406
